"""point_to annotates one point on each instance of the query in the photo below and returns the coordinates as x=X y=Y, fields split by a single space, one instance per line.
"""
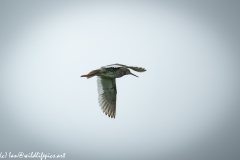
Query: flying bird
x=106 y=81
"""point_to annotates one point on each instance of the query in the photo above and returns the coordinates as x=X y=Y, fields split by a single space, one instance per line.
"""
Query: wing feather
x=107 y=94
x=138 y=69
x=112 y=66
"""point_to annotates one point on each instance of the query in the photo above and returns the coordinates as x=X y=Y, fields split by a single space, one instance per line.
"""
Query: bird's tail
x=91 y=74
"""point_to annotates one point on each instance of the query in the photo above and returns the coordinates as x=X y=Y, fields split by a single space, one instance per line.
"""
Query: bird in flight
x=106 y=81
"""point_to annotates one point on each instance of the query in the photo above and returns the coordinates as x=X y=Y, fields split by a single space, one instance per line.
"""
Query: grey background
x=185 y=107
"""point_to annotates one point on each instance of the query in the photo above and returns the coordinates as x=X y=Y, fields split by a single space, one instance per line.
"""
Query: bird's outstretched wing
x=138 y=69
x=107 y=95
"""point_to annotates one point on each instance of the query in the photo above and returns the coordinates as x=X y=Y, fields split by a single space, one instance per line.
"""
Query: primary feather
x=107 y=95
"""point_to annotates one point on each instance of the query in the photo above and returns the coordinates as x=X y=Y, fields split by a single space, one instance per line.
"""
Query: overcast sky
x=184 y=107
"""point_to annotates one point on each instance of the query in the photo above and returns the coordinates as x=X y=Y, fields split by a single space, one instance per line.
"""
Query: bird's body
x=106 y=81
x=112 y=72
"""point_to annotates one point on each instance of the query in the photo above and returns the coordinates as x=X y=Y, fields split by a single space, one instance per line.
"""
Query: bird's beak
x=133 y=74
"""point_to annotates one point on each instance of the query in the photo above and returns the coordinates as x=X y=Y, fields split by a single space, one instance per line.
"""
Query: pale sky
x=184 y=107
